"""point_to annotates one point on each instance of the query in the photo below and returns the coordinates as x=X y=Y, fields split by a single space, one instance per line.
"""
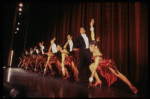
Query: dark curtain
x=124 y=31
x=121 y=26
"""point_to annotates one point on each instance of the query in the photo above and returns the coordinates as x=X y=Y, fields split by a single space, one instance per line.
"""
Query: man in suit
x=84 y=53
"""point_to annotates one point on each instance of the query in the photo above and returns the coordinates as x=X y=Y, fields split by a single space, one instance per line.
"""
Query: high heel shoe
x=77 y=80
x=41 y=72
x=52 y=74
x=67 y=77
x=134 y=90
x=97 y=83
x=35 y=70
x=44 y=73
x=90 y=82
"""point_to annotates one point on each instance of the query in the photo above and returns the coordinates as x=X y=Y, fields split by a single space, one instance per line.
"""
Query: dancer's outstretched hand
x=92 y=22
x=52 y=41
x=98 y=39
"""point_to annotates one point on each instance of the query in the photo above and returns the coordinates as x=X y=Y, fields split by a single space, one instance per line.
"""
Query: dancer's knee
x=118 y=74
x=91 y=66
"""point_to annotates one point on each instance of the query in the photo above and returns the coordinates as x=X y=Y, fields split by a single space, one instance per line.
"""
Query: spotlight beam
x=11 y=57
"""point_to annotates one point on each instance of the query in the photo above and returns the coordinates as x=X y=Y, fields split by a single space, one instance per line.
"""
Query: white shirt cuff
x=92 y=29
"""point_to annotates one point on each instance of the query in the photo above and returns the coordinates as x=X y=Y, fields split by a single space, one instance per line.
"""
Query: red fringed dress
x=104 y=70
x=54 y=59
x=44 y=59
x=68 y=60
x=26 y=59
x=32 y=59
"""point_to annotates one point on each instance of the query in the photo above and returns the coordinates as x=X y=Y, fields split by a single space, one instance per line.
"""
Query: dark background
x=8 y=11
x=122 y=27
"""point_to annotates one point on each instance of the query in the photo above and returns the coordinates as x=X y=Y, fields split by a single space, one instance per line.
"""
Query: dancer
x=38 y=57
x=43 y=56
x=67 y=59
x=52 y=58
x=70 y=45
x=21 y=60
x=84 y=52
x=33 y=60
x=36 y=50
x=26 y=53
x=31 y=51
x=110 y=71
x=26 y=60
x=42 y=47
x=50 y=55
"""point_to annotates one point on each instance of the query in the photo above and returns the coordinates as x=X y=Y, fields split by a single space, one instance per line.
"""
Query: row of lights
x=20 y=9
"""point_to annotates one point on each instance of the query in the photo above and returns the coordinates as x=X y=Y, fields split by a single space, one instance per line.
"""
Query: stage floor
x=56 y=87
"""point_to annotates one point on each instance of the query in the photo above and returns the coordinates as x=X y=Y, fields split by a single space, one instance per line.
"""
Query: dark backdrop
x=122 y=27
x=8 y=11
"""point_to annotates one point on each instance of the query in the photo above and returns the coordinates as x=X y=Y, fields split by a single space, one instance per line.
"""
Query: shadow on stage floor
x=35 y=85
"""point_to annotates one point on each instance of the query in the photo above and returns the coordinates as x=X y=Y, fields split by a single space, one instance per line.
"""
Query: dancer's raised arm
x=92 y=30
x=67 y=43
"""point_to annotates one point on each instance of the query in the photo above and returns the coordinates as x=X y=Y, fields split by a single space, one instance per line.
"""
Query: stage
x=35 y=85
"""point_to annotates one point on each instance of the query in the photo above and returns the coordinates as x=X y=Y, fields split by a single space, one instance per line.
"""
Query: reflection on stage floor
x=56 y=87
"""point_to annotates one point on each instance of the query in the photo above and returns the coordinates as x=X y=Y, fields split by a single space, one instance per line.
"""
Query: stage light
x=19 y=13
x=4 y=67
x=20 y=4
x=18 y=23
x=20 y=9
x=9 y=71
x=15 y=32
x=11 y=57
x=17 y=28
x=10 y=67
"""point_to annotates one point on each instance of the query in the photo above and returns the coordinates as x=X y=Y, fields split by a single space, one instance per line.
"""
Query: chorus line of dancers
x=63 y=56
